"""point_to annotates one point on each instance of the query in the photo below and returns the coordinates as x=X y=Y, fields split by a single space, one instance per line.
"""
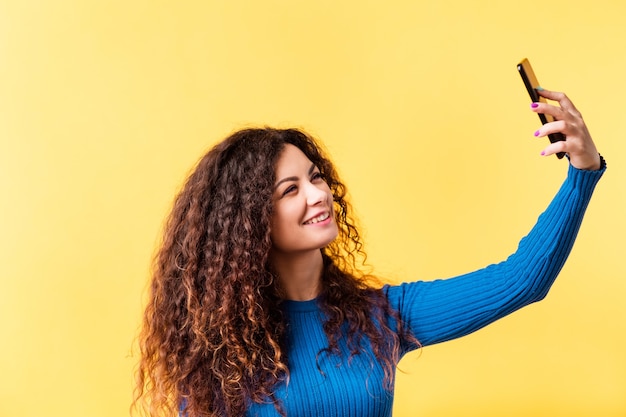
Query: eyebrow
x=287 y=179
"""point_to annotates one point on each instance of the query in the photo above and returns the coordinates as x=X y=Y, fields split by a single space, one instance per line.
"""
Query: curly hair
x=213 y=332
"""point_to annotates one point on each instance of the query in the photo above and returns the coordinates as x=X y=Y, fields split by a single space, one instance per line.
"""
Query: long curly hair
x=213 y=332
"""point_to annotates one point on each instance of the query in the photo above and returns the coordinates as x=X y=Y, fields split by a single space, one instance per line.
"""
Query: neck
x=300 y=275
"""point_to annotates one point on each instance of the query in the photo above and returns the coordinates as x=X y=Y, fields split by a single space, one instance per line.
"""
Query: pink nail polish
x=543 y=153
x=534 y=105
x=537 y=133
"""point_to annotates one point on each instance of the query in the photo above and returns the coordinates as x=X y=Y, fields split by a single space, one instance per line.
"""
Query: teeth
x=319 y=218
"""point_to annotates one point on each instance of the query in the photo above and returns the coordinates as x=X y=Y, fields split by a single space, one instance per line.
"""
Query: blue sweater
x=435 y=311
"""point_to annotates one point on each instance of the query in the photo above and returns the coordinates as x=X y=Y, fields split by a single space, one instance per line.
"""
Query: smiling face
x=303 y=218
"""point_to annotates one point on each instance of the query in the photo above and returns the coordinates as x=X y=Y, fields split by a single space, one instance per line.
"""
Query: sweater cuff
x=586 y=179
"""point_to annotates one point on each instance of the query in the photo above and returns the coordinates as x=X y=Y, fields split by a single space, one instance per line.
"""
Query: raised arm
x=441 y=310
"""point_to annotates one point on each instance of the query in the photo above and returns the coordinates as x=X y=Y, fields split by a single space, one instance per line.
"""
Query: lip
x=330 y=216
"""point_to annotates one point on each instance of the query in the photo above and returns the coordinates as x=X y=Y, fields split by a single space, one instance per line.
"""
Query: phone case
x=531 y=83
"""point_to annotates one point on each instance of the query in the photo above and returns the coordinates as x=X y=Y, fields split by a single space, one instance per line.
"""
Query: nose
x=315 y=195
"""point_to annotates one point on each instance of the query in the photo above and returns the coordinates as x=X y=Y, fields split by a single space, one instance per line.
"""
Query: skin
x=578 y=145
x=300 y=195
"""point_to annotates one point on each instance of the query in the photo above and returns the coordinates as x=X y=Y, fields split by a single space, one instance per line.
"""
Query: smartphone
x=531 y=83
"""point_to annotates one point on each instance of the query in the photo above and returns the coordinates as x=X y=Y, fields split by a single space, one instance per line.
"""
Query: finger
x=554 y=148
x=559 y=97
x=557 y=113
x=549 y=128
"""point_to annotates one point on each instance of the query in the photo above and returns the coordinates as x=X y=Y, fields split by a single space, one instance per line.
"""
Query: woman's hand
x=578 y=144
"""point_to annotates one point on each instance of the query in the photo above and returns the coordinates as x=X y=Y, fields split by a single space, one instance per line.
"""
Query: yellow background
x=106 y=105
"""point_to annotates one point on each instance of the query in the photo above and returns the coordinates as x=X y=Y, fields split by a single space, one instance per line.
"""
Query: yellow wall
x=105 y=105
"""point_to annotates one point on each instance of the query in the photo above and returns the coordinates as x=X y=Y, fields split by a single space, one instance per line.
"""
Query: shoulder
x=397 y=295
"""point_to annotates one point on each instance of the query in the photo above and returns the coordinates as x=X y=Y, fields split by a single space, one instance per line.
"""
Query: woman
x=258 y=307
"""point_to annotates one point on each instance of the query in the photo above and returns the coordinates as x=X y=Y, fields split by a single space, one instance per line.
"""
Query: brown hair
x=213 y=331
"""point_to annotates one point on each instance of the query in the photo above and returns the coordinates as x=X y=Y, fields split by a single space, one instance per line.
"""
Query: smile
x=318 y=219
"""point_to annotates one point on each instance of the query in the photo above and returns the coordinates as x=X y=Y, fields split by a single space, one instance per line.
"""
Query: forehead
x=290 y=161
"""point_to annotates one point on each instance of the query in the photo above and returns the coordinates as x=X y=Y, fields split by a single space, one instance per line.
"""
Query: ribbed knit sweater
x=434 y=311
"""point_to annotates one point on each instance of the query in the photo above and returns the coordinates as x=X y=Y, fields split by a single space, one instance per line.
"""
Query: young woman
x=257 y=304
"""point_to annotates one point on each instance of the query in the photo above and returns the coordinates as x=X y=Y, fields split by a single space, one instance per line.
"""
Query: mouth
x=319 y=218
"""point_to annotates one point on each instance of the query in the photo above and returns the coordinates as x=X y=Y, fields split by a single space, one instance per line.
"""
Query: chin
x=331 y=239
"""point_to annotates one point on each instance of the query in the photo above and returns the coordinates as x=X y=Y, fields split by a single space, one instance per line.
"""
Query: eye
x=289 y=190
x=317 y=176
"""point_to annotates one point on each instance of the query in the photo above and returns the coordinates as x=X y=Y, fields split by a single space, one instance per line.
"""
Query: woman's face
x=303 y=217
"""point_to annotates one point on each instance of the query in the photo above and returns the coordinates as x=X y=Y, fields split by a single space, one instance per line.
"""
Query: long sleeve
x=440 y=310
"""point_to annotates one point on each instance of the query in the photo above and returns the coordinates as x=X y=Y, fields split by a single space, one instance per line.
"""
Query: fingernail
x=539 y=88
x=534 y=105
x=537 y=133
x=543 y=153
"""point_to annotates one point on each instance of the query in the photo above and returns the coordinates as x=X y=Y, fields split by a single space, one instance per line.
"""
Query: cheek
x=282 y=217
x=329 y=193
